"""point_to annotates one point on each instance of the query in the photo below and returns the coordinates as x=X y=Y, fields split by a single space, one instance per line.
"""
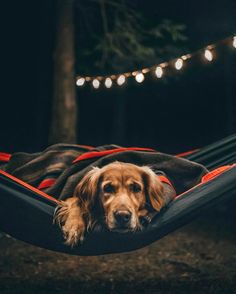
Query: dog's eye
x=109 y=188
x=136 y=188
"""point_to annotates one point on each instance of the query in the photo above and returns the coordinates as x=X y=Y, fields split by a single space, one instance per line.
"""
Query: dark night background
x=190 y=109
x=187 y=110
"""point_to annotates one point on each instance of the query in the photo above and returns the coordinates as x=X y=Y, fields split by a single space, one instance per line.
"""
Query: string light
x=121 y=80
x=186 y=56
x=139 y=77
x=234 y=41
x=179 y=63
x=96 y=83
x=80 y=82
x=108 y=82
x=159 y=72
x=208 y=55
x=158 y=69
x=145 y=70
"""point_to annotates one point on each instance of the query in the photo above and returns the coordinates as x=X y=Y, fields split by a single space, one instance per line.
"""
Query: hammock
x=26 y=213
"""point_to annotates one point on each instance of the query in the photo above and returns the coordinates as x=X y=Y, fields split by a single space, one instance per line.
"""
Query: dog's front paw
x=73 y=232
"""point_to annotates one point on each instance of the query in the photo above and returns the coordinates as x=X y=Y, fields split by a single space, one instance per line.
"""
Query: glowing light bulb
x=234 y=41
x=186 y=56
x=96 y=83
x=108 y=82
x=139 y=77
x=179 y=63
x=159 y=72
x=80 y=82
x=145 y=70
x=208 y=55
x=121 y=80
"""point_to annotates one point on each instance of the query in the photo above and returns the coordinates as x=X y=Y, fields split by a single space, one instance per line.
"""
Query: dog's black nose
x=122 y=217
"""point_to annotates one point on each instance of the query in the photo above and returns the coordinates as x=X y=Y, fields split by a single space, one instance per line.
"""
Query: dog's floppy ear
x=86 y=192
x=154 y=188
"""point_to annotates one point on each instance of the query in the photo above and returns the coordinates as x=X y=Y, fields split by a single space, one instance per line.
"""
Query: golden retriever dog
x=118 y=194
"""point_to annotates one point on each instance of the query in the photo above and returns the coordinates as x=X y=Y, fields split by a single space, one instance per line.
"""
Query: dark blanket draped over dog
x=61 y=165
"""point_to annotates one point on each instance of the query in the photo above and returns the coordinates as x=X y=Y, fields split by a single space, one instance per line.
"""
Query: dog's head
x=123 y=192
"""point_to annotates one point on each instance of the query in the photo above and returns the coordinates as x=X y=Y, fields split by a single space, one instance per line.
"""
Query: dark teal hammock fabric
x=27 y=215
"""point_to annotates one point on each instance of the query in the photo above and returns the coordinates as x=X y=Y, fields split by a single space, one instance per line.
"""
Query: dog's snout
x=122 y=217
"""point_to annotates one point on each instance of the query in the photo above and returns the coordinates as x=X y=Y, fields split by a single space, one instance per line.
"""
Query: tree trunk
x=64 y=108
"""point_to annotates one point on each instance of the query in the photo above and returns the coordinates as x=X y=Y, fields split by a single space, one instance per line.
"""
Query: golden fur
x=119 y=193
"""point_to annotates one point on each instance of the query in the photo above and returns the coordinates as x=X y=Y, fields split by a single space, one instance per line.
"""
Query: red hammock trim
x=46 y=183
x=216 y=172
x=40 y=193
x=210 y=176
x=95 y=154
x=5 y=157
x=167 y=181
x=187 y=153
